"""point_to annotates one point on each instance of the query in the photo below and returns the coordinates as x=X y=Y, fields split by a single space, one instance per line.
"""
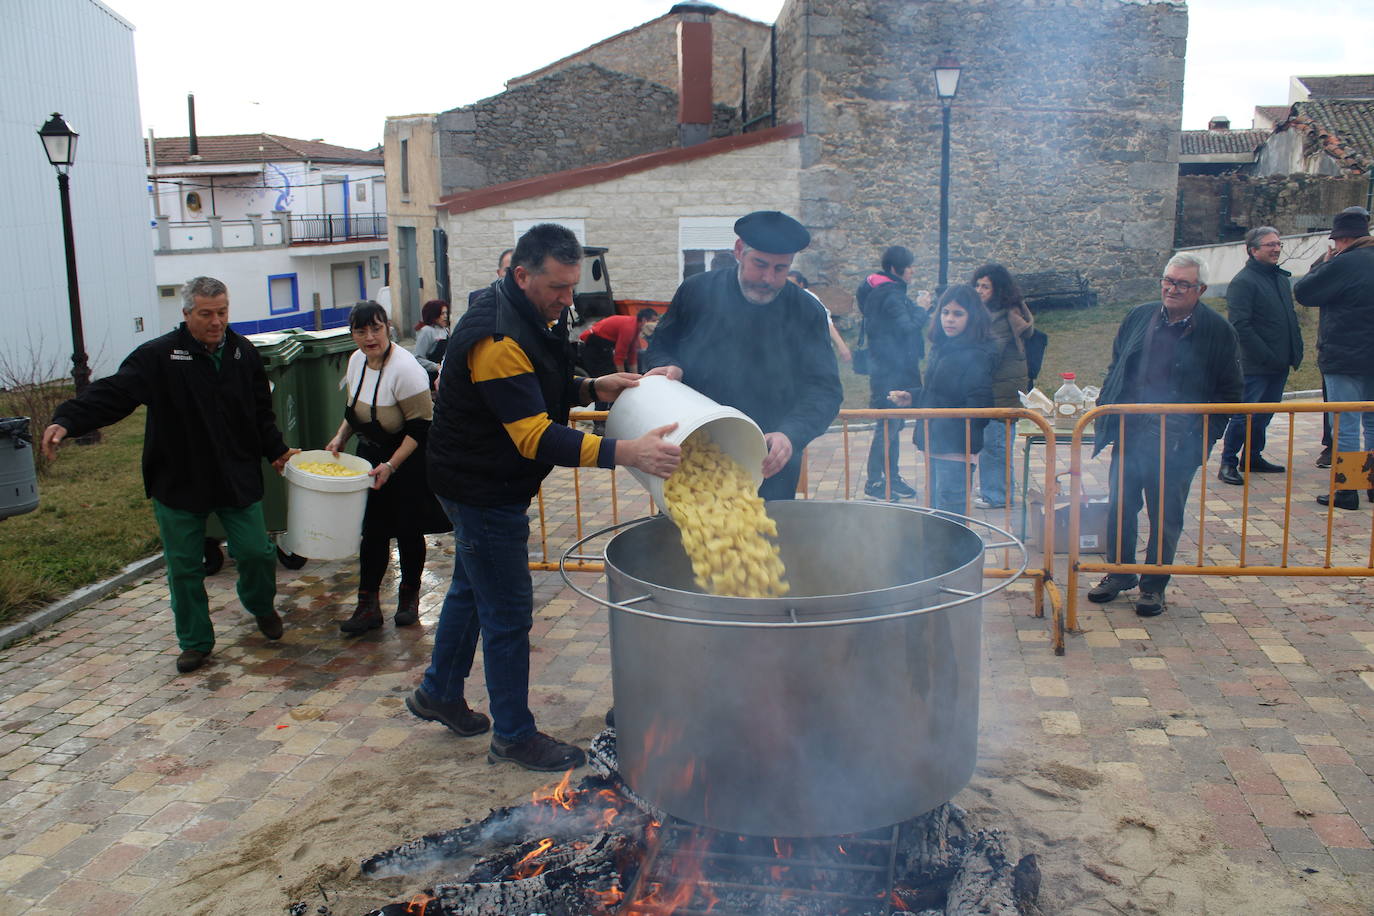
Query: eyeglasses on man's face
x=1178 y=286
x=1271 y=245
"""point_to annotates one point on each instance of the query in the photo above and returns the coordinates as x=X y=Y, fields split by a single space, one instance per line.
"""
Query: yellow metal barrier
x=814 y=484
x=1352 y=469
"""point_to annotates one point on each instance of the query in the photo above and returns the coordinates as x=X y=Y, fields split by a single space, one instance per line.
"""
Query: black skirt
x=404 y=504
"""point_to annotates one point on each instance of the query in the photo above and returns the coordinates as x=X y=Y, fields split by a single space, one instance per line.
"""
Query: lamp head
x=59 y=142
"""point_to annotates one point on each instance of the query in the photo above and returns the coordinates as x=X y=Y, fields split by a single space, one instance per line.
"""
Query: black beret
x=772 y=232
x=1349 y=224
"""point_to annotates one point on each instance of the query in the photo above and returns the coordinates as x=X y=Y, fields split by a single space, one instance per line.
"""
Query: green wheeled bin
x=280 y=354
x=320 y=368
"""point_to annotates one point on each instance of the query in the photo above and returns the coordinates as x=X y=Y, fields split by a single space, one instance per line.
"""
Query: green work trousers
x=183 y=544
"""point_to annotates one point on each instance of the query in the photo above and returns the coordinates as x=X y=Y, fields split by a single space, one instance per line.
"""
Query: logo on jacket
x=181 y=354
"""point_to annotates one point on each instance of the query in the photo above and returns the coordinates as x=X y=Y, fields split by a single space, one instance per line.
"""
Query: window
x=701 y=239
x=282 y=295
x=405 y=166
x=360 y=191
x=576 y=224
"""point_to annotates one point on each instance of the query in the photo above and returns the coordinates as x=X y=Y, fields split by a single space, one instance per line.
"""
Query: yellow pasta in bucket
x=328 y=469
x=725 y=529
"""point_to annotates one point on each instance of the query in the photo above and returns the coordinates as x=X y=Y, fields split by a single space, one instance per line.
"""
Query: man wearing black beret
x=745 y=337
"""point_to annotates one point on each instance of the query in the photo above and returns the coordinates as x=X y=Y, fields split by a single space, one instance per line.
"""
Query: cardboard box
x=1092 y=522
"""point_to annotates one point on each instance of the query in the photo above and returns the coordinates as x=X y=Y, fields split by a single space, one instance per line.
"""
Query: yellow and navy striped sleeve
x=504 y=378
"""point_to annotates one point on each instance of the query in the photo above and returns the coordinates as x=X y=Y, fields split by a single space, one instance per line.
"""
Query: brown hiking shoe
x=537 y=752
x=460 y=718
x=270 y=624
x=190 y=660
x=367 y=616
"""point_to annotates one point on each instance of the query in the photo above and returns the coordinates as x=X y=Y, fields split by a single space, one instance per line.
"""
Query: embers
x=590 y=850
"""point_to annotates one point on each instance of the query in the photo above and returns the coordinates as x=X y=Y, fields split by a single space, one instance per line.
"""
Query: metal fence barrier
x=1349 y=471
x=825 y=483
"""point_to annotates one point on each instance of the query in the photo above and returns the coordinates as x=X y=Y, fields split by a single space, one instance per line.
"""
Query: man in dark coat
x=1259 y=305
x=210 y=425
x=745 y=337
x=1341 y=284
x=500 y=426
x=502 y=267
x=1177 y=351
x=892 y=327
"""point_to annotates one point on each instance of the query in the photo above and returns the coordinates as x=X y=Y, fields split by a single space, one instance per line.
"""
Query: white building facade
x=295 y=228
x=75 y=57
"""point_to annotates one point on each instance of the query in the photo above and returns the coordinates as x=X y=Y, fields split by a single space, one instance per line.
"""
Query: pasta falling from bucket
x=725 y=530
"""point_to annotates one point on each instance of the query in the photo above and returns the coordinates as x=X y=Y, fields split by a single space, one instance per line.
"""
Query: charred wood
x=984 y=885
x=574 y=879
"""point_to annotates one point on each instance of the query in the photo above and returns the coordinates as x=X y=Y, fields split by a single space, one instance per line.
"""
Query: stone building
x=1064 y=142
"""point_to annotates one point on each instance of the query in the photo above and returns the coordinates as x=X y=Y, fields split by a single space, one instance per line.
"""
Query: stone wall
x=650 y=52
x=1064 y=133
x=1221 y=208
x=636 y=216
x=573 y=117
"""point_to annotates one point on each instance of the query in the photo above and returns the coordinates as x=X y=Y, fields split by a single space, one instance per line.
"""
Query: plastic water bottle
x=1068 y=402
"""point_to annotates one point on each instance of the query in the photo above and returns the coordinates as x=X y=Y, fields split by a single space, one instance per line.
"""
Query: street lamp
x=946 y=85
x=59 y=142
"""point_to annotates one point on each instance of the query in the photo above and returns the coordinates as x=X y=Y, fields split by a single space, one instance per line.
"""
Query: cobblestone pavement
x=1251 y=701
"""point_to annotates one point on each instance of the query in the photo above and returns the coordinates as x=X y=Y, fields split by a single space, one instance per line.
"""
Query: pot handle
x=1008 y=540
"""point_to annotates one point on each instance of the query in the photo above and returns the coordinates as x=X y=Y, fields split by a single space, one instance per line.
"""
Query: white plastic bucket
x=324 y=515
x=658 y=400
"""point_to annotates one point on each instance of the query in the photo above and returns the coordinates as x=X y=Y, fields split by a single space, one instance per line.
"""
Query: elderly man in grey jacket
x=1259 y=305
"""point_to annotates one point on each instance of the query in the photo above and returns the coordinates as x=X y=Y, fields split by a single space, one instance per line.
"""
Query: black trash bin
x=18 y=479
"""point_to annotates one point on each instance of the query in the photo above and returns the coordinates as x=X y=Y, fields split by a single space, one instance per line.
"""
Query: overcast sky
x=336 y=71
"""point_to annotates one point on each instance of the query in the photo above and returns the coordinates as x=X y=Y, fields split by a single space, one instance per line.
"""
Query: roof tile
x=258 y=148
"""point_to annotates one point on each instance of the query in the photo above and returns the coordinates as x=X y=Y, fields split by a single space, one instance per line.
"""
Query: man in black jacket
x=892 y=326
x=745 y=337
x=1341 y=284
x=500 y=426
x=210 y=425
x=1177 y=351
x=1259 y=305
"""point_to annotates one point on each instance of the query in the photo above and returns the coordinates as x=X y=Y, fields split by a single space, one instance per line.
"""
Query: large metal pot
x=849 y=705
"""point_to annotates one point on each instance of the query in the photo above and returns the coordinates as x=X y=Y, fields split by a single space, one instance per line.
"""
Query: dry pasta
x=724 y=527
x=328 y=469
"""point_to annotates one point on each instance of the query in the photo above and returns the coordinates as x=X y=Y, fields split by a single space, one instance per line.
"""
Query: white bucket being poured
x=658 y=400
x=324 y=515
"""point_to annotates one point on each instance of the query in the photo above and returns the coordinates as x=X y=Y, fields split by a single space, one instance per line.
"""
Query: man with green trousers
x=210 y=424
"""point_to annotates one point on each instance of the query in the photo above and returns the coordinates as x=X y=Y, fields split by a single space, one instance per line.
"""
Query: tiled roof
x=258 y=148
x=1276 y=114
x=1220 y=142
x=1359 y=86
x=1343 y=128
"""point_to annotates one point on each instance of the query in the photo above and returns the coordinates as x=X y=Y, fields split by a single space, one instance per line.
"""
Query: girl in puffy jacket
x=958 y=374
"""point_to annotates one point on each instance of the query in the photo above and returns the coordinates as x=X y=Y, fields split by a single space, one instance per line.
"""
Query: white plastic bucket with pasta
x=658 y=401
x=324 y=515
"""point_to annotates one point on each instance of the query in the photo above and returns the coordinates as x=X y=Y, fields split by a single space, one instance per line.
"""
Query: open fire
x=594 y=849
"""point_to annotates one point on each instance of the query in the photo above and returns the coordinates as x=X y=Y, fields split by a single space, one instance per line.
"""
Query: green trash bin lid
x=276 y=349
x=323 y=343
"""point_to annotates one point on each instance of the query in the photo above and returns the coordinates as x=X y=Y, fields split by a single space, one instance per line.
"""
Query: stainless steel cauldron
x=849 y=705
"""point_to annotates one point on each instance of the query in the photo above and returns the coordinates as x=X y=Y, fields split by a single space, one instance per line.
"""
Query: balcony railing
x=337 y=227
x=273 y=231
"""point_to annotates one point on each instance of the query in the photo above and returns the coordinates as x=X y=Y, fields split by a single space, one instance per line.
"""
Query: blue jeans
x=947 y=485
x=994 y=477
x=491 y=595
x=1259 y=389
x=1352 y=388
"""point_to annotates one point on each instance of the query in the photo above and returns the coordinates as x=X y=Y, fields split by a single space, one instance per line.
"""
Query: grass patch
x=92 y=519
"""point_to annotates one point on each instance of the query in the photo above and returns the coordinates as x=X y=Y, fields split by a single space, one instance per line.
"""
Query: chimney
x=194 y=151
x=1219 y=122
x=695 y=96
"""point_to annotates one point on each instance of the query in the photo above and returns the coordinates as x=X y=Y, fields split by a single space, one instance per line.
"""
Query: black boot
x=408 y=606
x=1345 y=499
x=367 y=616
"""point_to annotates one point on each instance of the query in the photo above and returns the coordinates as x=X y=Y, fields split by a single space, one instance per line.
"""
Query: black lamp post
x=946 y=85
x=59 y=142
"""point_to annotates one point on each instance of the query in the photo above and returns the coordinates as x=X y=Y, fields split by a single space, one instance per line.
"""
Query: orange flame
x=417 y=904
x=687 y=881
x=558 y=795
x=527 y=867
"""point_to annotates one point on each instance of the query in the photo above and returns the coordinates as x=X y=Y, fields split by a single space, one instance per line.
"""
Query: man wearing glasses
x=1175 y=351
x=1259 y=305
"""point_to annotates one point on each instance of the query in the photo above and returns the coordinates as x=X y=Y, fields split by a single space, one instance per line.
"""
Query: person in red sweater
x=613 y=344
